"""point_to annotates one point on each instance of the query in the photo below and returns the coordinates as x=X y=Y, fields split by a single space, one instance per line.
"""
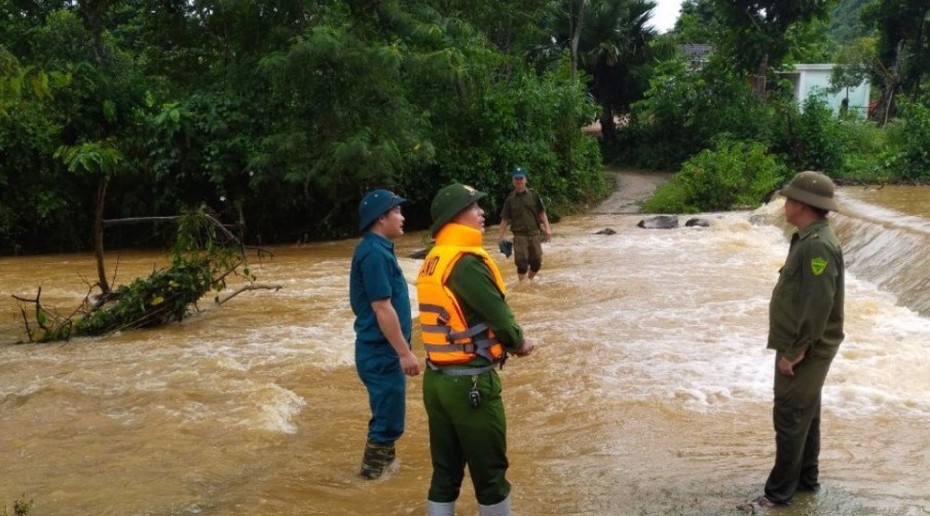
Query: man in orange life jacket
x=468 y=329
x=381 y=303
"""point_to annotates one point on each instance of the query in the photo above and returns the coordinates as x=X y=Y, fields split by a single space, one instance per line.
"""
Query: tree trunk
x=761 y=74
x=574 y=27
x=93 y=12
x=98 y=235
x=608 y=127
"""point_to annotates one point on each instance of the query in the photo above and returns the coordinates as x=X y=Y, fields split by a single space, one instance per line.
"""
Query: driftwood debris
x=205 y=254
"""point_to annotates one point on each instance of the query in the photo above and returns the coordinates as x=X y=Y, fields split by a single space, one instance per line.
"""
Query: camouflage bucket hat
x=812 y=188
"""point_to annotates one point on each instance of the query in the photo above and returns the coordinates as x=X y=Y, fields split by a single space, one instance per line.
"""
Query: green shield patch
x=818 y=265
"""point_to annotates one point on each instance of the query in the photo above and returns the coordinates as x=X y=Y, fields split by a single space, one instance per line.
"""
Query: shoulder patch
x=818 y=265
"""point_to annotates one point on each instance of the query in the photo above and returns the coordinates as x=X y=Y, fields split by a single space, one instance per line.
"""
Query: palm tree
x=609 y=40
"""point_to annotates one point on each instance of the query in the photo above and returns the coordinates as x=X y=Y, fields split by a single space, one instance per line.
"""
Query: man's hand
x=786 y=366
x=547 y=234
x=525 y=349
x=408 y=362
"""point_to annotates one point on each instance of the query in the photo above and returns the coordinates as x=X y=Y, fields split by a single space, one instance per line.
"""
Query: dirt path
x=632 y=189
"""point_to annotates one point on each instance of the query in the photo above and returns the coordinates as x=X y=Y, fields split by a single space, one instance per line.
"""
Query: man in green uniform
x=525 y=213
x=468 y=329
x=805 y=330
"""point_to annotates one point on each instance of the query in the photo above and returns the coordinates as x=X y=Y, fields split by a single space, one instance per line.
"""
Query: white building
x=811 y=78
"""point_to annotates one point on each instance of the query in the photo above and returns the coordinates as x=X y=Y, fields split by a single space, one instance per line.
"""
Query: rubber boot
x=440 y=509
x=377 y=457
x=501 y=508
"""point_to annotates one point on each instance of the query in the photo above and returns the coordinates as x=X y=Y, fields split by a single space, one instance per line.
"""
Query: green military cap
x=812 y=188
x=448 y=202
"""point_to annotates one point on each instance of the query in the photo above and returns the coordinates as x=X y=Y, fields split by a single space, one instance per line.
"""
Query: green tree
x=277 y=114
x=613 y=40
x=686 y=110
x=903 y=48
x=697 y=22
x=752 y=38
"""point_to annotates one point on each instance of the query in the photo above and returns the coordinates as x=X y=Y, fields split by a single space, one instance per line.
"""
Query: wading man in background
x=468 y=329
x=381 y=303
x=525 y=213
x=805 y=330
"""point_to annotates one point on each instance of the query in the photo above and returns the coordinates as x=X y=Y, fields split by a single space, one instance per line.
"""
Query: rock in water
x=701 y=223
x=660 y=222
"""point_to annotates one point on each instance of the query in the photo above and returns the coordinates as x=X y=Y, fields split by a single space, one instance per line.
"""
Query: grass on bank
x=21 y=507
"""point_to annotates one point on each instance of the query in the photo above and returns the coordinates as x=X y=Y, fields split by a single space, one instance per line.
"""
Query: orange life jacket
x=446 y=337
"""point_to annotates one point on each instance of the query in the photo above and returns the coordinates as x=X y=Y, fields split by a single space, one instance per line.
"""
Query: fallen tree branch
x=247 y=288
x=205 y=254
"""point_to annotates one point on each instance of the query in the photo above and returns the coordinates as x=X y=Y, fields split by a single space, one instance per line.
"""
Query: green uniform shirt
x=522 y=209
x=481 y=301
x=806 y=309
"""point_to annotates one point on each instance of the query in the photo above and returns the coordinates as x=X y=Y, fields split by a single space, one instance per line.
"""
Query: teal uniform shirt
x=375 y=275
x=806 y=309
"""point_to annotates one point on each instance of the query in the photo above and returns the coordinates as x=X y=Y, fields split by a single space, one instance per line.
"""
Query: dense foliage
x=277 y=114
x=280 y=114
x=707 y=115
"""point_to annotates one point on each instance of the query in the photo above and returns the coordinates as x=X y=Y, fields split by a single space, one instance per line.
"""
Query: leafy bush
x=21 y=507
x=907 y=155
x=862 y=163
x=685 y=111
x=523 y=120
x=810 y=138
x=734 y=175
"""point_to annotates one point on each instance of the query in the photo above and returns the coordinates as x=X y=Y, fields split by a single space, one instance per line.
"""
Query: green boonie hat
x=812 y=188
x=449 y=201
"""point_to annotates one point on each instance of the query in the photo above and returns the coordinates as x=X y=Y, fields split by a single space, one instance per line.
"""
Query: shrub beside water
x=21 y=507
x=733 y=175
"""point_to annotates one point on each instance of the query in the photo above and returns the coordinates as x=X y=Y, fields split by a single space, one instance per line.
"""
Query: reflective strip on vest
x=446 y=339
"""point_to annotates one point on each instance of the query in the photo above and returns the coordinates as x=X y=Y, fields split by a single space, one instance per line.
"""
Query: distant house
x=696 y=55
x=811 y=78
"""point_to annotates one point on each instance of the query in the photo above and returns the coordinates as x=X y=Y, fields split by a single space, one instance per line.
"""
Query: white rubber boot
x=440 y=509
x=501 y=508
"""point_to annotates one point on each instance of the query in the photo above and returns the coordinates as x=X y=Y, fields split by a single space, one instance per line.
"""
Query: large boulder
x=659 y=222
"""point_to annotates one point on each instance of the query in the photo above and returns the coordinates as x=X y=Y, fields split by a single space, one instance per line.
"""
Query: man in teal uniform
x=805 y=330
x=525 y=213
x=461 y=387
x=381 y=303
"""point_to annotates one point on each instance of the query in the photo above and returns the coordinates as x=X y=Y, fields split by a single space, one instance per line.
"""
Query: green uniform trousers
x=527 y=252
x=460 y=435
x=796 y=417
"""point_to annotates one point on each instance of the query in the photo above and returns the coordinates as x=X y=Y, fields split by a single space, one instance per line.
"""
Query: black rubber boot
x=377 y=457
